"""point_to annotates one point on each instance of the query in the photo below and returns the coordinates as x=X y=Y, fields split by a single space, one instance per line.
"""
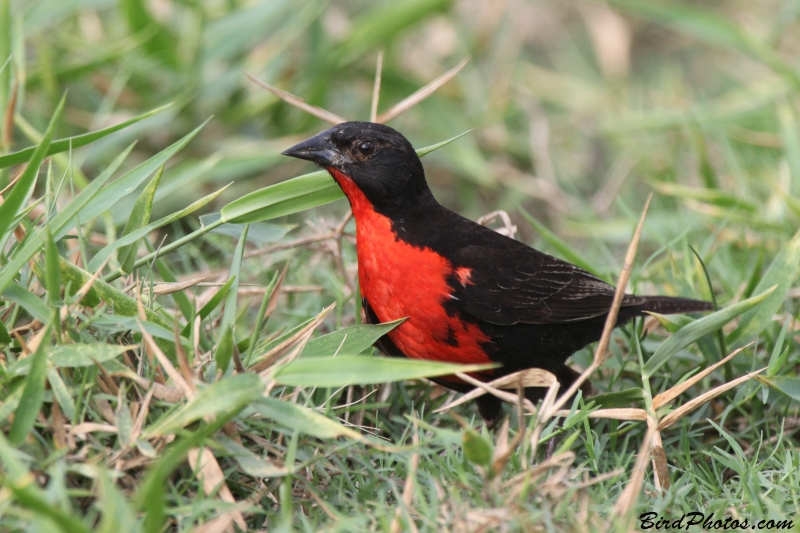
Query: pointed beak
x=318 y=149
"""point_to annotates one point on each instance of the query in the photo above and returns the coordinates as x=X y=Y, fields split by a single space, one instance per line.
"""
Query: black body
x=537 y=309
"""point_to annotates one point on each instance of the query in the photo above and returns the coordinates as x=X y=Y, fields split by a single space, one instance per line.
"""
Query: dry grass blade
x=266 y=374
x=13 y=182
x=408 y=489
x=84 y=290
x=90 y=427
x=34 y=325
x=59 y=430
x=503 y=450
x=624 y=276
x=509 y=229
x=600 y=478
x=112 y=385
x=161 y=392
x=532 y=377
x=34 y=343
x=627 y=500
x=542 y=415
x=271 y=249
x=661 y=467
x=26 y=350
x=168 y=288
x=376 y=89
x=141 y=416
x=210 y=474
x=524 y=480
x=690 y=406
x=622 y=413
x=669 y=395
x=510 y=397
x=166 y=364
x=298 y=102
x=421 y=94
x=611 y=320
x=501 y=445
x=274 y=354
x=183 y=363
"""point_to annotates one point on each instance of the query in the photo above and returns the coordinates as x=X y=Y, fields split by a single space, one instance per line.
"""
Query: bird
x=469 y=294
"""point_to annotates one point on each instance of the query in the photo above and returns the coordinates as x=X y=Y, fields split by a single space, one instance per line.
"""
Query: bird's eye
x=366 y=148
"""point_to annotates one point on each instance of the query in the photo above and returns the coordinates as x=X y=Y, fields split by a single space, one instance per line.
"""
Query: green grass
x=157 y=369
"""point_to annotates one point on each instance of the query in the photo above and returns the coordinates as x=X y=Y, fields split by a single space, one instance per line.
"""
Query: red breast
x=400 y=280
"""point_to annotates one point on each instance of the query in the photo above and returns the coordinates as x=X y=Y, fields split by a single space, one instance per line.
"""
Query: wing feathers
x=538 y=289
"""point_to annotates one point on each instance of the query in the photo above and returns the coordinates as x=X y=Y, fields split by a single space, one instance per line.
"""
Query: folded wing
x=520 y=284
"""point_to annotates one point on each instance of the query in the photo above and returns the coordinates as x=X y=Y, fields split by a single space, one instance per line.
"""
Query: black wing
x=516 y=283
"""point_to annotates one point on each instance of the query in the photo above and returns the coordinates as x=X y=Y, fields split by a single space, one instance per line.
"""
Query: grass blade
x=28 y=301
x=359 y=370
x=101 y=256
x=229 y=314
x=109 y=196
x=52 y=271
x=59 y=224
x=5 y=338
x=223 y=353
x=268 y=304
x=349 y=341
x=18 y=481
x=122 y=304
x=224 y=350
x=139 y=217
x=32 y=394
x=303 y=419
x=72 y=356
x=790 y=386
x=150 y=494
x=62 y=145
x=422 y=152
x=13 y=202
x=699 y=328
x=212 y=304
x=281 y=199
x=222 y=396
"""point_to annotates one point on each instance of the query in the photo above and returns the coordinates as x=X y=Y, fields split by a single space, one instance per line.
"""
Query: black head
x=379 y=160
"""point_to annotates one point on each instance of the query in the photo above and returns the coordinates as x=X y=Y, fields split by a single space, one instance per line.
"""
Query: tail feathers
x=667 y=305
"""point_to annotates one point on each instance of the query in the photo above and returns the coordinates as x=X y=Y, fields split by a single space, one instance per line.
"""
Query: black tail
x=667 y=305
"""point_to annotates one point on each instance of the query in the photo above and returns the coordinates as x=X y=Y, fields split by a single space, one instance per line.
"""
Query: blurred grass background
x=580 y=110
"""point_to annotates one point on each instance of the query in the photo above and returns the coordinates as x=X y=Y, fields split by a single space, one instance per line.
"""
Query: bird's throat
x=359 y=203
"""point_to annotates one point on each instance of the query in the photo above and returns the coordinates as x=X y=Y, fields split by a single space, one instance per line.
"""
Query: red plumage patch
x=400 y=280
x=463 y=274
